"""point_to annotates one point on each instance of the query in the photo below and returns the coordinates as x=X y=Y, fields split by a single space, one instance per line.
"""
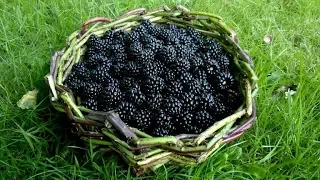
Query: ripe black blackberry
x=149 y=69
x=194 y=34
x=135 y=96
x=135 y=49
x=92 y=90
x=167 y=54
x=110 y=96
x=80 y=70
x=94 y=60
x=203 y=119
x=90 y=103
x=184 y=52
x=115 y=70
x=147 y=55
x=126 y=112
x=207 y=102
x=131 y=69
x=196 y=63
x=148 y=25
x=169 y=75
x=185 y=124
x=127 y=83
x=132 y=37
x=180 y=65
x=142 y=119
x=224 y=80
x=189 y=101
x=154 y=101
x=163 y=124
x=172 y=105
x=108 y=35
x=153 y=84
x=213 y=47
x=173 y=87
x=75 y=84
x=96 y=43
x=100 y=74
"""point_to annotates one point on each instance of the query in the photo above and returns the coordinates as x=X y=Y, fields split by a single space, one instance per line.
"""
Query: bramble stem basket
x=105 y=130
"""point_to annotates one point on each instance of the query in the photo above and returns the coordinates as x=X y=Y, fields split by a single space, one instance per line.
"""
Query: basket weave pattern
x=106 y=131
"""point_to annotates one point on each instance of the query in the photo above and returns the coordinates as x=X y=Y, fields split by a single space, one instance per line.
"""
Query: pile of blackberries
x=161 y=79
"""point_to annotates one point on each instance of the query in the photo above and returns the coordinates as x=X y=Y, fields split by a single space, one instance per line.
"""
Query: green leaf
x=29 y=100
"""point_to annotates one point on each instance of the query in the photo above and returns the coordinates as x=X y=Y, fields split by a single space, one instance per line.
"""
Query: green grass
x=284 y=143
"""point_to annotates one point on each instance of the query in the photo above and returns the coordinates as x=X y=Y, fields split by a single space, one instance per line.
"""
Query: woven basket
x=105 y=130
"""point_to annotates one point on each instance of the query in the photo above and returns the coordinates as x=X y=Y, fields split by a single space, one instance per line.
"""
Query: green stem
x=67 y=99
x=205 y=156
x=217 y=126
x=97 y=141
x=157 y=141
x=153 y=158
x=147 y=154
x=140 y=133
x=203 y=14
x=115 y=138
x=182 y=160
x=248 y=97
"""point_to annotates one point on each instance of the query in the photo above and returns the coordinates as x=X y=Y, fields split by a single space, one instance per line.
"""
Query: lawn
x=284 y=143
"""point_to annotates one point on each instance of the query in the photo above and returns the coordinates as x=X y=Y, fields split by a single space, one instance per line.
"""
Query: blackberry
x=174 y=87
x=135 y=49
x=154 y=101
x=194 y=34
x=110 y=96
x=140 y=29
x=196 y=63
x=94 y=60
x=147 y=55
x=181 y=65
x=108 y=35
x=135 y=96
x=148 y=25
x=130 y=69
x=149 y=69
x=133 y=37
x=126 y=112
x=184 y=52
x=115 y=70
x=167 y=54
x=169 y=75
x=203 y=119
x=185 y=123
x=75 y=84
x=172 y=105
x=189 y=101
x=100 y=74
x=155 y=45
x=96 y=43
x=90 y=103
x=224 y=80
x=80 y=70
x=213 y=47
x=142 y=119
x=110 y=82
x=127 y=83
x=153 y=85
x=224 y=62
x=206 y=102
x=92 y=90
x=163 y=124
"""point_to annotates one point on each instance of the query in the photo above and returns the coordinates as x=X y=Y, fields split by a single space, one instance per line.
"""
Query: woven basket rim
x=205 y=143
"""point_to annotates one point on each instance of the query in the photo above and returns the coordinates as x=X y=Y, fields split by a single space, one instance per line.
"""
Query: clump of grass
x=283 y=144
